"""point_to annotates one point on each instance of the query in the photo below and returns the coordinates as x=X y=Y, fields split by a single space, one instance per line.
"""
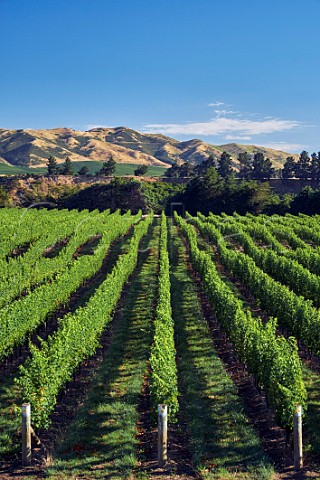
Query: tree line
x=108 y=168
x=252 y=167
x=306 y=167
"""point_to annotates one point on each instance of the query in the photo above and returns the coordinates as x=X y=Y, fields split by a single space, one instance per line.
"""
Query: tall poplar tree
x=303 y=167
x=245 y=166
x=52 y=165
x=289 y=168
x=224 y=165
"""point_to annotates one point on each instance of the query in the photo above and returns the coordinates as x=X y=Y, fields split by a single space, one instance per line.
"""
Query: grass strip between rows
x=223 y=444
x=102 y=441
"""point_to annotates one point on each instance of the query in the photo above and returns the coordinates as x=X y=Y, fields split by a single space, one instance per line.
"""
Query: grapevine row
x=307 y=256
x=164 y=383
x=51 y=366
x=26 y=272
x=22 y=317
x=271 y=358
x=26 y=226
x=294 y=313
x=283 y=269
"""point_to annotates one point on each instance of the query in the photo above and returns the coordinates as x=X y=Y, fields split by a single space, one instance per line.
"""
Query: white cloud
x=216 y=104
x=220 y=113
x=284 y=146
x=224 y=125
x=241 y=137
x=91 y=126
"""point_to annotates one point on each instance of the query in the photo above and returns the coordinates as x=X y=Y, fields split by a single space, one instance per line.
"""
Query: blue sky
x=240 y=70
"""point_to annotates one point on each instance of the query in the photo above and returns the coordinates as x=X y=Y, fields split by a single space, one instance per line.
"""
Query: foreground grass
x=101 y=442
x=311 y=421
x=223 y=444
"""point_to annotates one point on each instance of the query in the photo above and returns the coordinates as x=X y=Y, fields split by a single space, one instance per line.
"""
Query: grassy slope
x=101 y=442
x=224 y=445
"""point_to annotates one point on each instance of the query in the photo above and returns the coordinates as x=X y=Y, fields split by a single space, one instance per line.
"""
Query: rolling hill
x=31 y=148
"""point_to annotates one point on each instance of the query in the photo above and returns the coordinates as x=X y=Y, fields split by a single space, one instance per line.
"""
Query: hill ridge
x=31 y=147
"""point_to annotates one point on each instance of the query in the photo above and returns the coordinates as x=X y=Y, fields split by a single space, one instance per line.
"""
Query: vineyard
x=104 y=316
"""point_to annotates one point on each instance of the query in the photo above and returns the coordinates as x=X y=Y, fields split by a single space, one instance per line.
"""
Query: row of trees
x=108 y=168
x=256 y=167
x=54 y=169
x=306 y=167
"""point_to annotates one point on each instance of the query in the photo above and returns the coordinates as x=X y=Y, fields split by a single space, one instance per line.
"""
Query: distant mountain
x=31 y=148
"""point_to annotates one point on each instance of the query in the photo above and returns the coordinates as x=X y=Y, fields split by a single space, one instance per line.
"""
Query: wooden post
x=162 y=435
x=298 y=457
x=26 y=434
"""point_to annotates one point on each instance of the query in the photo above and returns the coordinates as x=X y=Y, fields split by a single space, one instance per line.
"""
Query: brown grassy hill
x=31 y=148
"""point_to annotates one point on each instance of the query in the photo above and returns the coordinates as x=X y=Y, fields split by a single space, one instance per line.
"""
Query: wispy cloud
x=216 y=104
x=286 y=147
x=91 y=126
x=240 y=137
x=224 y=125
x=221 y=113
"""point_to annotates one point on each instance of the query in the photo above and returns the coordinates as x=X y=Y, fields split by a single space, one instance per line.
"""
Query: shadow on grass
x=312 y=431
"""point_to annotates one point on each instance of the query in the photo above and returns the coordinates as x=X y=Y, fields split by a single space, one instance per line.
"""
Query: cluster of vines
x=22 y=274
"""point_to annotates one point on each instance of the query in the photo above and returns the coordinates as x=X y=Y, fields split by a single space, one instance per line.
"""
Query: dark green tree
x=67 y=168
x=108 y=168
x=173 y=171
x=303 y=167
x=224 y=165
x=289 y=168
x=140 y=171
x=202 y=167
x=318 y=175
x=245 y=166
x=204 y=192
x=315 y=166
x=211 y=183
x=52 y=165
x=262 y=167
x=186 y=170
x=84 y=170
